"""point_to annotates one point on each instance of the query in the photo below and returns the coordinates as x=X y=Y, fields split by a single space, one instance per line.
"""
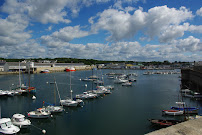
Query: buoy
x=80 y=79
x=43 y=131
x=51 y=116
x=33 y=97
x=47 y=82
x=85 y=85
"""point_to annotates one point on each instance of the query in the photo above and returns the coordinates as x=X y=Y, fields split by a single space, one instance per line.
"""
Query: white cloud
x=195 y=29
x=63 y=35
x=188 y=49
x=190 y=44
x=29 y=49
x=43 y=11
x=172 y=32
x=160 y=18
x=123 y=25
x=119 y=23
x=12 y=30
x=199 y=12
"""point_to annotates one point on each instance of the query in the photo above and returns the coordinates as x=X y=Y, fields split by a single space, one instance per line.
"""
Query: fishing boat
x=164 y=123
x=172 y=112
x=20 y=121
x=70 y=69
x=190 y=110
x=39 y=113
x=6 y=126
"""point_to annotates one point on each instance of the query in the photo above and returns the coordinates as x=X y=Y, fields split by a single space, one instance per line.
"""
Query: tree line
x=92 y=61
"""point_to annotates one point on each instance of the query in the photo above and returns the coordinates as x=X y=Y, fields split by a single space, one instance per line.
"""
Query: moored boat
x=39 y=113
x=172 y=112
x=127 y=84
x=53 y=109
x=190 y=110
x=45 y=71
x=70 y=69
x=6 y=126
x=20 y=121
x=164 y=123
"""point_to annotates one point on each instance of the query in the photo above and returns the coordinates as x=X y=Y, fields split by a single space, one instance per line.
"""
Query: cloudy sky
x=134 y=30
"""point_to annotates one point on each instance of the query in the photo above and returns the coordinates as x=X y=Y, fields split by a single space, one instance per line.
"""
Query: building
x=35 y=67
x=4 y=67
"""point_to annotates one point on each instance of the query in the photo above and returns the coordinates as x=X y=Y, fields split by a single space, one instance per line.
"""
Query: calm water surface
x=125 y=111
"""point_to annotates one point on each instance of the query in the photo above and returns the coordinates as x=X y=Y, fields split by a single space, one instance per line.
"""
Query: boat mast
x=57 y=88
x=19 y=76
x=29 y=72
x=54 y=94
x=70 y=84
x=92 y=78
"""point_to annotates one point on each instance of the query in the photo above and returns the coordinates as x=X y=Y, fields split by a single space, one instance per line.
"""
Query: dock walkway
x=191 y=127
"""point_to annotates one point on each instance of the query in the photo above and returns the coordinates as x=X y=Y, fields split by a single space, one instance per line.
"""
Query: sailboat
x=69 y=101
x=31 y=90
x=53 y=108
x=19 y=89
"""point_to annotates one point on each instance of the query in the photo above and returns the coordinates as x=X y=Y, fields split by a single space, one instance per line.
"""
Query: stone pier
x=191 y=127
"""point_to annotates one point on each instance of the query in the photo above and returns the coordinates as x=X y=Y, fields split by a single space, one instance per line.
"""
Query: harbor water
x=125 y=111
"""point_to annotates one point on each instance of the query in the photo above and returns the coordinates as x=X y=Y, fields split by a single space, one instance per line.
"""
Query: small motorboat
x=164 y=123
x=172 y=112
x=6 y=126
x=70 y=69
x=39 y=113
x=127 y=84
x=45 y=71
x=10 y=93
x=190 y=110
x=86 y=95
x=3 y=93
x=53 y=109
x=20 y=121
x=119 y=81
x=71 y=103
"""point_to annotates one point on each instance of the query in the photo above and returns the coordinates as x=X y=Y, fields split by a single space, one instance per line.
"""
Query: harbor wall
x=51 y=69
x=192 y=79
x=62 y=68
x=191 y=127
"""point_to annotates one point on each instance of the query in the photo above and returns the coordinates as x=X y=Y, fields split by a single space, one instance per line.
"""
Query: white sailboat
x=69 y=101
x=19 y=89
x=53 y=108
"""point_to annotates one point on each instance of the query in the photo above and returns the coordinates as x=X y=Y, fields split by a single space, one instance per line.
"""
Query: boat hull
x=172 y=112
